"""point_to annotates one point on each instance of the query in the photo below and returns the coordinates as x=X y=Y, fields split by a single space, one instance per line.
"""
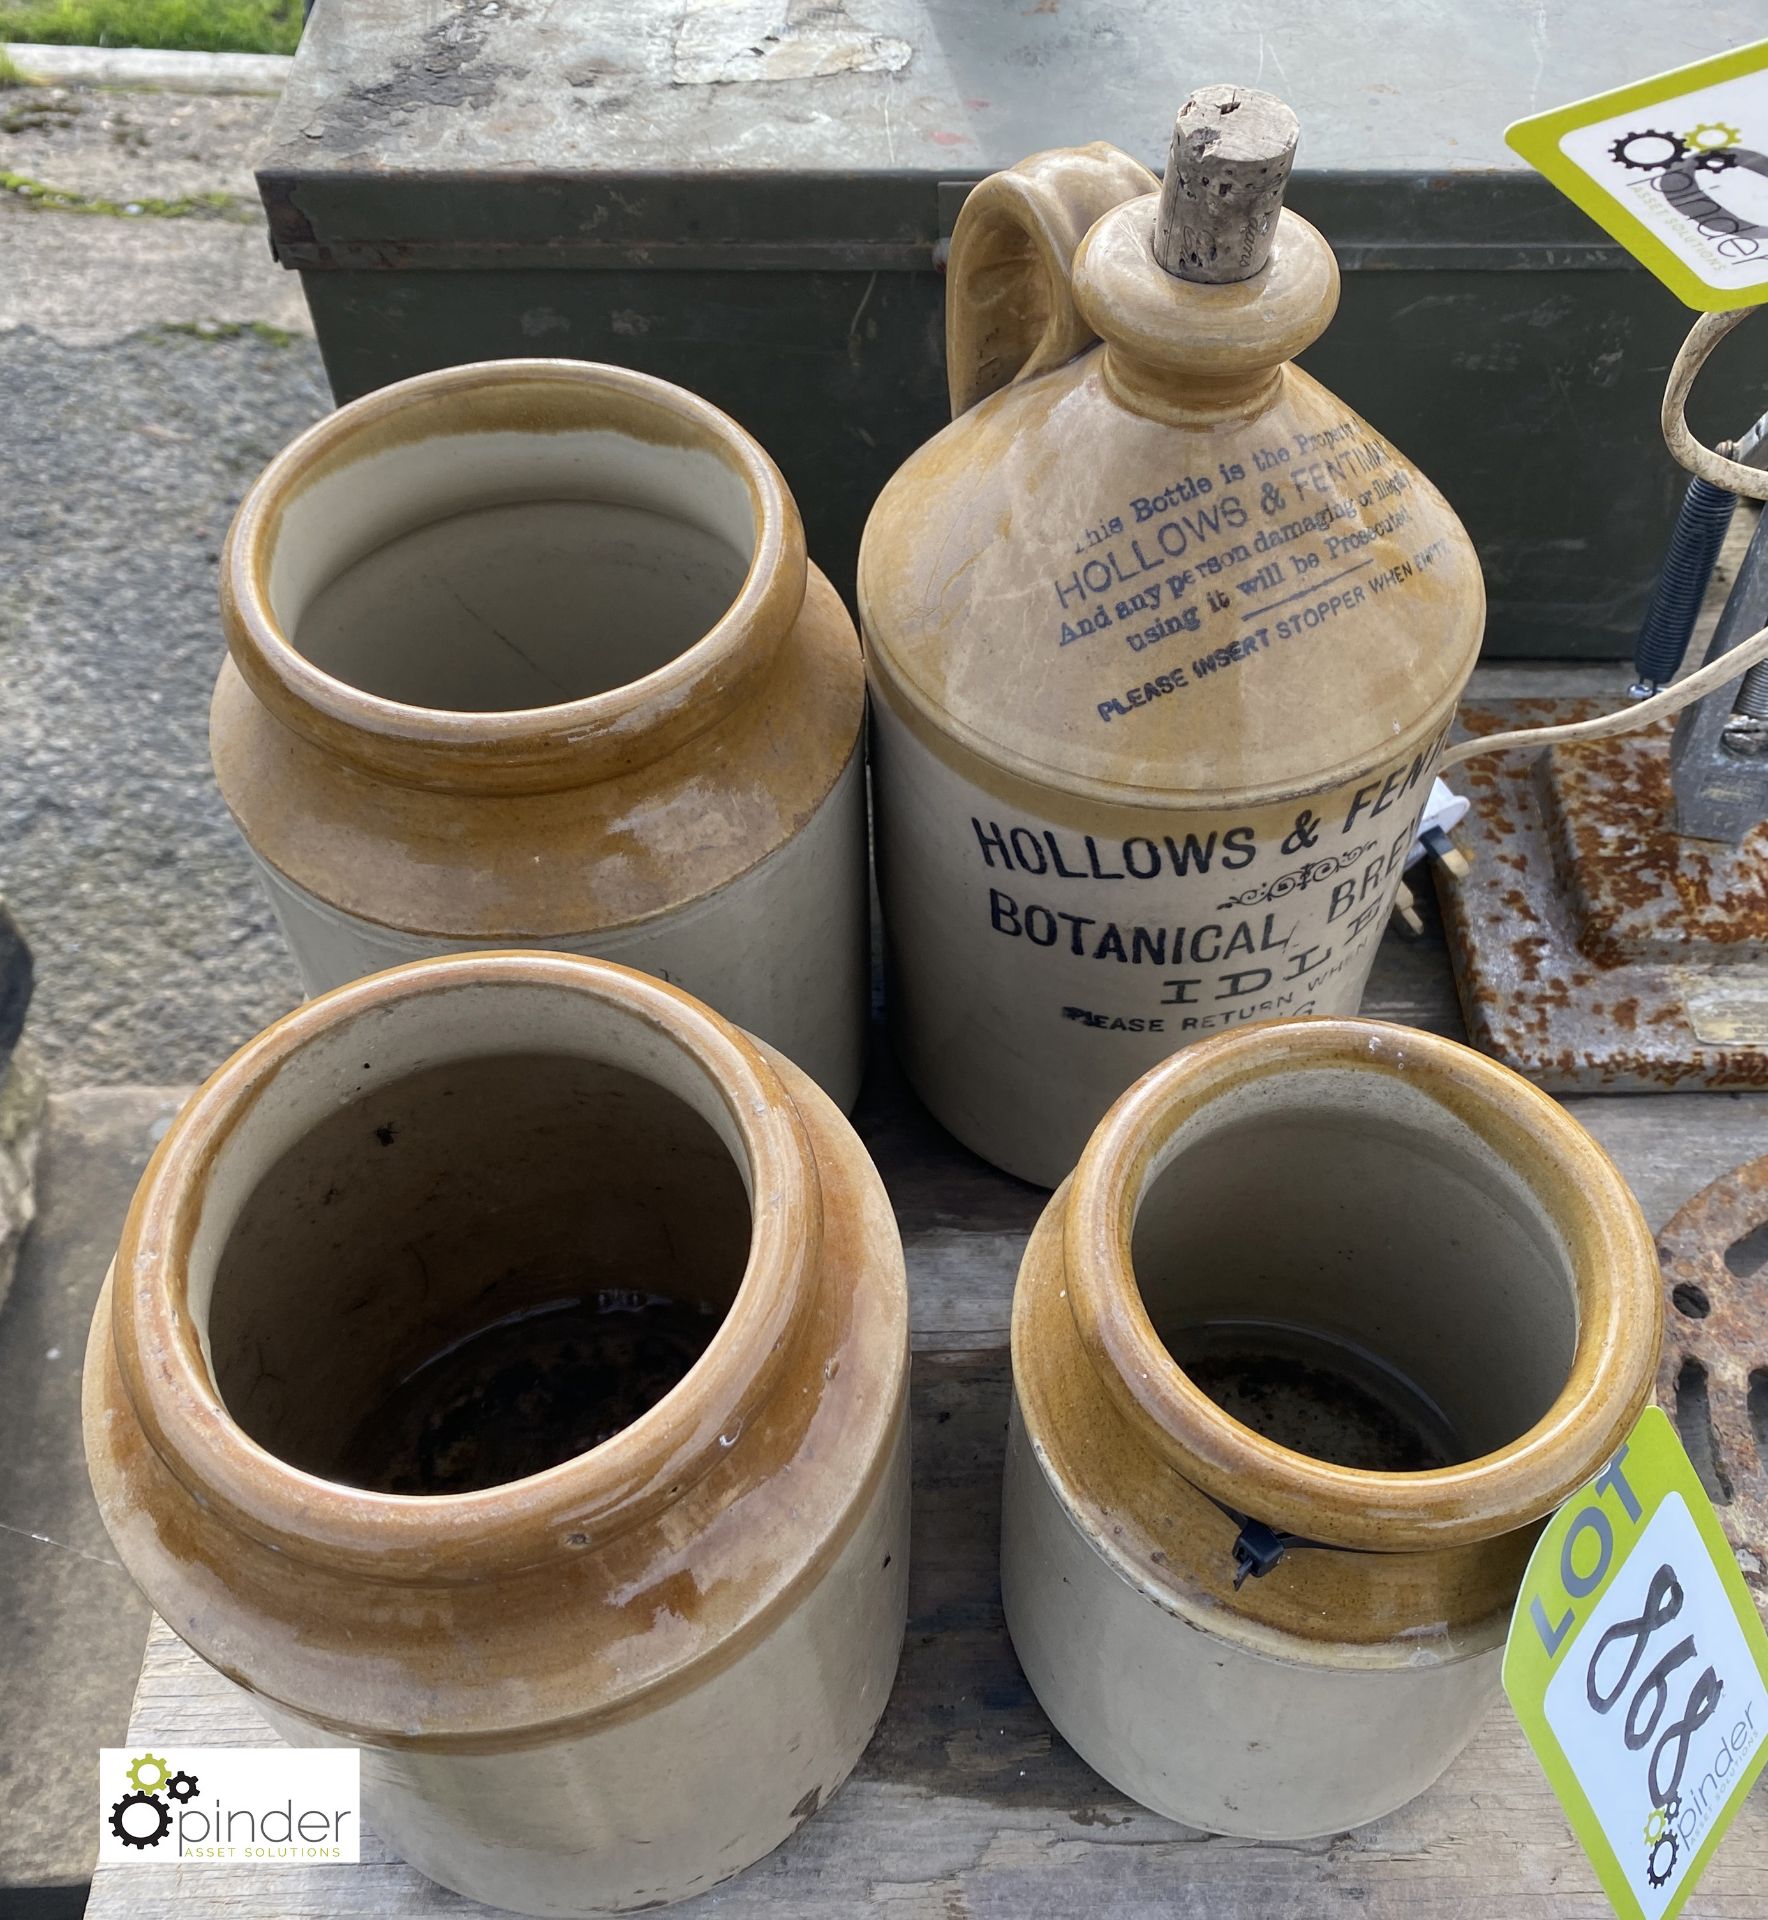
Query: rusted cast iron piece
x=1713 y=1379
x=1593 y=945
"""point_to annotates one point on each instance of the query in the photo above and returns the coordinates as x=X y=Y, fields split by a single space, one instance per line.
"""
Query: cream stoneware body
x=1163 y=643
x=344 y=1425
x=1360 y=1286
x=529 y=653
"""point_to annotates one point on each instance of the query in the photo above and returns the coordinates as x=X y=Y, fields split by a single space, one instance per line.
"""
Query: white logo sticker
x=264 y=1806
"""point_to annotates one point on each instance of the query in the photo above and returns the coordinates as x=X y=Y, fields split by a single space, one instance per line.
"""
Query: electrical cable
x=1641 y=713
x=1734 y=477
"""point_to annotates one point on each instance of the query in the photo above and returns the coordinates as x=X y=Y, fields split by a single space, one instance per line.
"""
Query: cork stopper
x=1231 y=154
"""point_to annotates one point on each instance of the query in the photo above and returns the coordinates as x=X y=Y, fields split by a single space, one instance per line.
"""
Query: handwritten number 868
x=1663 y=1602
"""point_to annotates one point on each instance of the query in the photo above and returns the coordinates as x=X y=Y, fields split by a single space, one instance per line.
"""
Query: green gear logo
x=1660 y=1832
x=1710 y=136
x=147 y=1773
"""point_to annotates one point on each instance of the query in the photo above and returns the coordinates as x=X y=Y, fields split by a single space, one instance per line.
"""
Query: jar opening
x=464 y=1273
x=501 y=570
x=1345 y=1266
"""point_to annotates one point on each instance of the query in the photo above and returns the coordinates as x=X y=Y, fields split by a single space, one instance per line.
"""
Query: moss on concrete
x=50 y=199
x=225 y=330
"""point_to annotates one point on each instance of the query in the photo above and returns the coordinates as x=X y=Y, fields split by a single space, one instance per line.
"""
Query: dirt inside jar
x=526 y=1393
x=1317 y=1396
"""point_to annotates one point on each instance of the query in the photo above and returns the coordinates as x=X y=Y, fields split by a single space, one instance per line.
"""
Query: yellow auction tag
x=1676 y=169
x=1639 y=1670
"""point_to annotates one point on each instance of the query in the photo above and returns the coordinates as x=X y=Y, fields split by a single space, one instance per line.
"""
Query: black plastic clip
x=1257 y=1550
x=1257 y=1547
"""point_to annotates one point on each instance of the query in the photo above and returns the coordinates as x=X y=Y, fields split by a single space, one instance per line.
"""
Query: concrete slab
x=124 y=147
x=129 y=210
x=72 y=1625
x=89 y=280
x=119 y=470
x=140 y=67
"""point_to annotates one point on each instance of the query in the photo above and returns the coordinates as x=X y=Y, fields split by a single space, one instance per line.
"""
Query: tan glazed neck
x=1195 y=354
x=1580 y=1199
x=279 y=1086
x=509 y=433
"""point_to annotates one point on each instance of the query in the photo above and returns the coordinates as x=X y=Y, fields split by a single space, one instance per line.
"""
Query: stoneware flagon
x=529 y=654
x=1163 y=642
x=503 y=1371
x=1329 y=1318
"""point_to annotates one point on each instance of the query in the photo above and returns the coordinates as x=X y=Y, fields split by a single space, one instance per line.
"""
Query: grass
x=198 y=26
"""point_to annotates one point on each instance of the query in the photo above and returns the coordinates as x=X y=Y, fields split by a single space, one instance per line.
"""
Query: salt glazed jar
x=1329 y=1317
x=529 y=653
x=1163 y=642
x=503 y=1371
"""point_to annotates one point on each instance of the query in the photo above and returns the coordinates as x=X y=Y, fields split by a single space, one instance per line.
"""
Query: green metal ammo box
x=752 y=197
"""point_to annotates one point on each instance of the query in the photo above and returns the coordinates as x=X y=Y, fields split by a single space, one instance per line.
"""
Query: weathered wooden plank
x=968 y=1805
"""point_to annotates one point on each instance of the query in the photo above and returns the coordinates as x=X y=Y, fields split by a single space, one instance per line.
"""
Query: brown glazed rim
x=531 y=749
x=582 y=1502
x=1613 y=1364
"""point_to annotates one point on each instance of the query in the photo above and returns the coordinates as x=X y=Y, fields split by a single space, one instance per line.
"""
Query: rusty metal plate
x=1713 y=1379
x=1593 y=946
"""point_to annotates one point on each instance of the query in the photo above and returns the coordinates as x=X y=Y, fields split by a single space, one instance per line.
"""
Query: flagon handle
x=1009 y=305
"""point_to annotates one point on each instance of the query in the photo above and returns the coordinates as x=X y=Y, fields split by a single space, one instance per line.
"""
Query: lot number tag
x=1639 y=1670
x=1676 y=169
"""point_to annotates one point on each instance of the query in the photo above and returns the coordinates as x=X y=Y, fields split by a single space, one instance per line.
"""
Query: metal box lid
x=803 y=133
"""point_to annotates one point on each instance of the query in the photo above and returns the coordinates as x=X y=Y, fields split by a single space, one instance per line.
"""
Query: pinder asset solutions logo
x=257 y=1806
x=1707 y=176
